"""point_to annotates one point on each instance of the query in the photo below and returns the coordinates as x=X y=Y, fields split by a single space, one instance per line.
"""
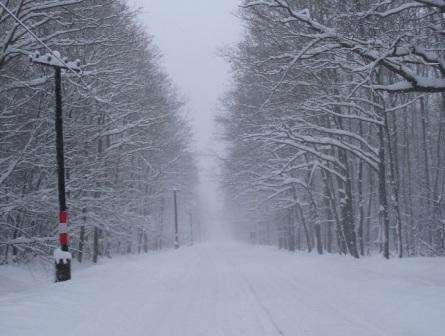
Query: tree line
x=127 y=141
x=335 y=126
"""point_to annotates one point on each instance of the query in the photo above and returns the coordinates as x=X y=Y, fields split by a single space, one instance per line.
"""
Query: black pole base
x=63 y=270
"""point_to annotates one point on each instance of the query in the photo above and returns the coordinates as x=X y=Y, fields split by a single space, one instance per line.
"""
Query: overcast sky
x=189 y=34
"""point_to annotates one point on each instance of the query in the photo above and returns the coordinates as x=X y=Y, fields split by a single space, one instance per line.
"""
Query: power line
x=38 y=39
x=56 y=56
x=86 y=86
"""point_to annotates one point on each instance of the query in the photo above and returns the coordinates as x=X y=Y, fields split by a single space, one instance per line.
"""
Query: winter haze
x=189 y=36
x=222 y=168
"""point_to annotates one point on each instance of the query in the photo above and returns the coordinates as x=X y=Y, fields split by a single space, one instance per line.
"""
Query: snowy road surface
x=231 y=289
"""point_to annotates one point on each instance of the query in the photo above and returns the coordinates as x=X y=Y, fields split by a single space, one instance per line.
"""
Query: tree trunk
x=383 y=211
x=360 y=201
x=424 y=121
x=318 y=238
x=82 y=236
x=291 y=231
x=346 y=207
x=393 y=179
x=95 y=244
x=305 y=227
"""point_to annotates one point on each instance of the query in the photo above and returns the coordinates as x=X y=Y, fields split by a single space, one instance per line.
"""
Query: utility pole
x=191 y=227
x=176 y=218
x=61 y=256
x=199 y=230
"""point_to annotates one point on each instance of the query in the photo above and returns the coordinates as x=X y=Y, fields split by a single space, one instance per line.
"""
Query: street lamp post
x=175 y=191
x=62 y=256
x=198 y=222
x=191 y=227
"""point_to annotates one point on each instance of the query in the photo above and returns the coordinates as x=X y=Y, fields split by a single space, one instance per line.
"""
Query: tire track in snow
x=348 y=316
x=279 y=279
x=248 y=284
x=263 y=307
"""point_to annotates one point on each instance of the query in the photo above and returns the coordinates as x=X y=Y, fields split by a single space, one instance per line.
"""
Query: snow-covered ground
x=231 y=289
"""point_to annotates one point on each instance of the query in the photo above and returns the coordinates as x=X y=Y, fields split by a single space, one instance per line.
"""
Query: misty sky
x=189 y=34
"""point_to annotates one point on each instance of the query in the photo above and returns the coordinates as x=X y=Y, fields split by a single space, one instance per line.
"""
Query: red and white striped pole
x=62 y=256
x=63 y=230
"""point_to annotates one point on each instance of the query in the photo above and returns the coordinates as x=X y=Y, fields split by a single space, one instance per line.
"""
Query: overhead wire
x=53 y=53
x=38 y=39
x=56 y=56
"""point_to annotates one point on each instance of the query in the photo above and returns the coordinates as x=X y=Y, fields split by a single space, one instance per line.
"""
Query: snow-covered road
x=232 y=289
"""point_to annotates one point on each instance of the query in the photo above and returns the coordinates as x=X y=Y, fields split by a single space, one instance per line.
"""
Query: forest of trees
x=335 y=126
x=127 y=142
